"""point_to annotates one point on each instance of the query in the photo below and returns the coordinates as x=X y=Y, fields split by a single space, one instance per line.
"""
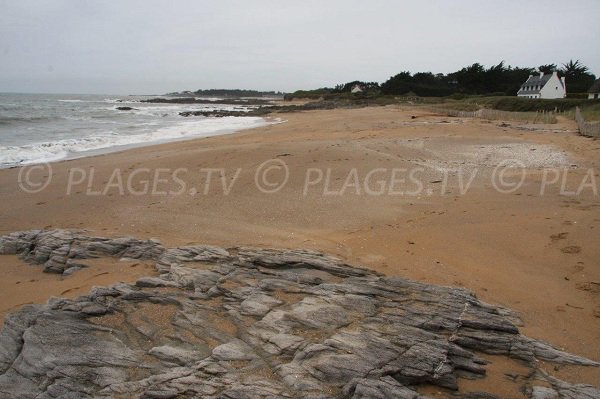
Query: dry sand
x=537 y=254
x=24 y=284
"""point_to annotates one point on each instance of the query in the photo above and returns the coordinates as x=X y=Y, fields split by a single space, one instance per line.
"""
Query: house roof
x=595 y=87
x=535 y=81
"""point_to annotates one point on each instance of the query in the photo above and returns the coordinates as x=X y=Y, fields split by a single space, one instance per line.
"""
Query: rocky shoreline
x=256 y=107
x=268 y=109
x=261 y=323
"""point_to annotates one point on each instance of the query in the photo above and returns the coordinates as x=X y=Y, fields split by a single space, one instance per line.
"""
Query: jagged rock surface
x=251 y=323
x=60 y=250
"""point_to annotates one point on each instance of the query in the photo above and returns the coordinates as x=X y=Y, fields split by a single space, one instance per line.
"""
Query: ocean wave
x=74 y=148
x=12 y=120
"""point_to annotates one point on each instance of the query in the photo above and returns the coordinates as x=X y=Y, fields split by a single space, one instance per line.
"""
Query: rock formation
x=253 y=323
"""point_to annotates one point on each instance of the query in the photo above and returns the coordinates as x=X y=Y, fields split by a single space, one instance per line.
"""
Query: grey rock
x=259 y=304
x=234 y=350
x=176 y=355
x=562 y=389
x=544 y=393
x=56 y=249
x=253 y=323
x=149 y=282
x=383 y=388
x=71 y=270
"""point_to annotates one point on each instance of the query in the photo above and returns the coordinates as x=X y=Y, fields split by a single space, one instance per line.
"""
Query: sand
x=534 y=252
x=24 y=284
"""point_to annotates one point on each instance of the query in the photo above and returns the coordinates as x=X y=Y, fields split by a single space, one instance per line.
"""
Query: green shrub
x=519 y=104
x=577 y=95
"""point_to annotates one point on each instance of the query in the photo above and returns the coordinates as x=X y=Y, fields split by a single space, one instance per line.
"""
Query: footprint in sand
x=589 y=286
x=578 y=267
x=571 y=249
x=559 y=236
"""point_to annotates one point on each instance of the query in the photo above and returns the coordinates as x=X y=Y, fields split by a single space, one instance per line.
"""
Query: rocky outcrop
x=223 y=113
x=266 y=109
x=253 y=323
x=60 y=251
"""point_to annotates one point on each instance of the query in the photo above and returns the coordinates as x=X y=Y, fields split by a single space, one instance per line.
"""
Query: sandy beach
x=533 y=249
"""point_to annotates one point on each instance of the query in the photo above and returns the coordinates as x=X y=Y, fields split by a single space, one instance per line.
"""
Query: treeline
x=227 y=93
x=476 y=79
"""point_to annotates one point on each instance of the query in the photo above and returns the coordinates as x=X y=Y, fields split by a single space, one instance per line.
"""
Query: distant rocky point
x=228 y=93
x=194 y=100
x=254 y=323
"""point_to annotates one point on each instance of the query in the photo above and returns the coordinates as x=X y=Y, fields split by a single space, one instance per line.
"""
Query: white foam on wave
x=75 y=148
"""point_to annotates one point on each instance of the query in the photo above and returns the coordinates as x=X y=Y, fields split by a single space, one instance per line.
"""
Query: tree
x=499 y=79
x=573 y=68
x=397 y=84
x=424 y=84
x=470 y=79
x=577 y=76
x=548 y=68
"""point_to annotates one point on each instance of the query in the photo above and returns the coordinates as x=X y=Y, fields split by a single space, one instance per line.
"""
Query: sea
x=38 y=128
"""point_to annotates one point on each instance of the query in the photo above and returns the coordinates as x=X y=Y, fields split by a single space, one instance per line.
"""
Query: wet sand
x=536 y=253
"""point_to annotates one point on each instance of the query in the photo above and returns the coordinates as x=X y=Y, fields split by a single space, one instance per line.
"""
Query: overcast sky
x=149 y=47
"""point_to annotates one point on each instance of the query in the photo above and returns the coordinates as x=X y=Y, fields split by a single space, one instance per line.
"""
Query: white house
x=543 y=86
x=356 y=89
x=594 y=91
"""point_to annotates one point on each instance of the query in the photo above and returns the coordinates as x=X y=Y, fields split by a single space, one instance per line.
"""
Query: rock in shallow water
x=256 y=323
